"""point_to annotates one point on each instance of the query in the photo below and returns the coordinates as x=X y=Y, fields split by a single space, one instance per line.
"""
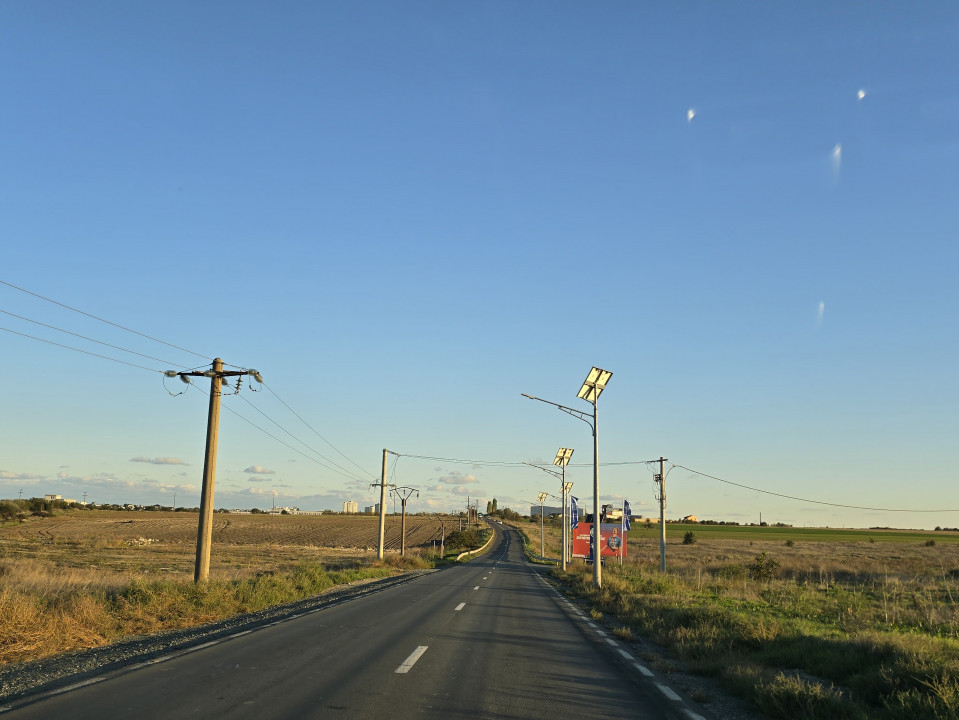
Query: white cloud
x=259 y=470
x=7 y=475
x=158 y=460
x=458 y=478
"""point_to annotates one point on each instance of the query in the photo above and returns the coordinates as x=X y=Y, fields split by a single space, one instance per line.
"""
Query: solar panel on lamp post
x=542 y=525
x=593 y=386
x=563 y=456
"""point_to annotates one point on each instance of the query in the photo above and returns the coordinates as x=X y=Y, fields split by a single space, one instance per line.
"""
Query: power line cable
x=342 y=470
x=266 y=432
x=807 y=500
x=84 y=337
x=100 y=319
x=85 y=352
x=490 y=463
x=366 y=472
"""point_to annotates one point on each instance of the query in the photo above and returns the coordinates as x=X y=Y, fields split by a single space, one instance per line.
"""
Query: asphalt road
x=487 y=639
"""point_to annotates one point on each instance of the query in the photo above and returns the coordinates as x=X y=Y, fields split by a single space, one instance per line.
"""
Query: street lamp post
x=542 y=524
x=562 y=460
x=592 y=387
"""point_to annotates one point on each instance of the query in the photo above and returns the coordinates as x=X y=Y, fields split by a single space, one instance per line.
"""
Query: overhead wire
x=100 y=319
x=267 y=432
x=489 y=463
x=340 y=469
x=314 y=431
x=337 y=467
x=808 y=500
x=85 y=352
x=90 y=339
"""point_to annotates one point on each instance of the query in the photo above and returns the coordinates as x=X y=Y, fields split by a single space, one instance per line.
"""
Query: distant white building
x=372 y=509
x=547 y=510
x=351 y=507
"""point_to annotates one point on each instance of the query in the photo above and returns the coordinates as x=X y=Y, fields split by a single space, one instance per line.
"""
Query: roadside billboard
x=611 y=535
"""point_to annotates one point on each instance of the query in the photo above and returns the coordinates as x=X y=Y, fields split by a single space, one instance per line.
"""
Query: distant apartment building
x=372 y=509
x=351 y=507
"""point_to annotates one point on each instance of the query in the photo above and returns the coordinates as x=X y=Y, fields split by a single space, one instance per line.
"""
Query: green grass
x=782 y=534
x=830 y=631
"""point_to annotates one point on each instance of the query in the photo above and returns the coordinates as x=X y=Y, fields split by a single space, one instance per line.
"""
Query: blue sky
x=406 y=214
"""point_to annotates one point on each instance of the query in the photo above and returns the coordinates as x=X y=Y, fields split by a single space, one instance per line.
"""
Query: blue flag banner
x=573 y=513
x=627 y=511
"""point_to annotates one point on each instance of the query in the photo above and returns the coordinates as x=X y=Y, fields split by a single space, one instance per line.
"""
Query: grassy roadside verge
x=42 y=616
x=790 y=649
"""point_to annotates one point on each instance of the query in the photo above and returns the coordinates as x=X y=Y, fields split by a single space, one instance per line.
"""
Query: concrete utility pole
x=204 y=535
x=661 y=479
x=404 y=493
x=379 y=545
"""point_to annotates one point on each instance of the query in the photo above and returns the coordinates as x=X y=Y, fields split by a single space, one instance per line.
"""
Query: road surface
x=486 y=639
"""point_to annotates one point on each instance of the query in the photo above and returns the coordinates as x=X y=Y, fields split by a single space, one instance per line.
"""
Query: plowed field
x=164 y=543
x=318 y=531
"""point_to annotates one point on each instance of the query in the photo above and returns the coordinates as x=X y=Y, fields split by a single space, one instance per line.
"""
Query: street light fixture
x=565 y=488
x=562 y=459
x=542 y=524
x=592 y=388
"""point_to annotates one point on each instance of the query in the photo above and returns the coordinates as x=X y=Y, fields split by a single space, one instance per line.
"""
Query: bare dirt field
x=164 y=542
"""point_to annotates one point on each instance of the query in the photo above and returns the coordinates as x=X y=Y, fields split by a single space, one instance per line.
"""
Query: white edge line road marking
x=611 y=641
x=476 y=588
x=625 y=654
x=411 y=660
x=643 y=669
x=668 y=692
x=460 y=607
x=691 y=715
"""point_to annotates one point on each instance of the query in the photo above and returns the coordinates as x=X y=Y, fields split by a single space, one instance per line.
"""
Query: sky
x=404 y=215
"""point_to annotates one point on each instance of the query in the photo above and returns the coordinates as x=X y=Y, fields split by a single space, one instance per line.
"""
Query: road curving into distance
x=486 y=639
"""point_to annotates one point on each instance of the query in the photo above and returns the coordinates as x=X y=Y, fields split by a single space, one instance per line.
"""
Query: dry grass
x=88 y=578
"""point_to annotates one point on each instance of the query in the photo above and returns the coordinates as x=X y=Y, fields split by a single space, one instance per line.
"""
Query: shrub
x=689 y=538
x=462 y=539
x=763 y=567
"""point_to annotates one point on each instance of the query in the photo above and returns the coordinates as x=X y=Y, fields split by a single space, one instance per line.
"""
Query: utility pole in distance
x=404 y=493
x=661 y=479
x=204 y=535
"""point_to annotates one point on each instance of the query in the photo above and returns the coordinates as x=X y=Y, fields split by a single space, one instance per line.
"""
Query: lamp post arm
x=579 y=414
x=545 y=470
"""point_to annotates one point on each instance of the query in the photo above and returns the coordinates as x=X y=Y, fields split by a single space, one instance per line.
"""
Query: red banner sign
x=613 y=540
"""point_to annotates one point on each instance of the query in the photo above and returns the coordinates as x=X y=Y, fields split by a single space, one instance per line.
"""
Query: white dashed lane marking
x=460 y=607
x=411 y=660
x=668 y=692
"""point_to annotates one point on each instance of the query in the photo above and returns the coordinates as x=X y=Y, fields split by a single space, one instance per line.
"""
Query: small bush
x=689 y=538
x=763 y=567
